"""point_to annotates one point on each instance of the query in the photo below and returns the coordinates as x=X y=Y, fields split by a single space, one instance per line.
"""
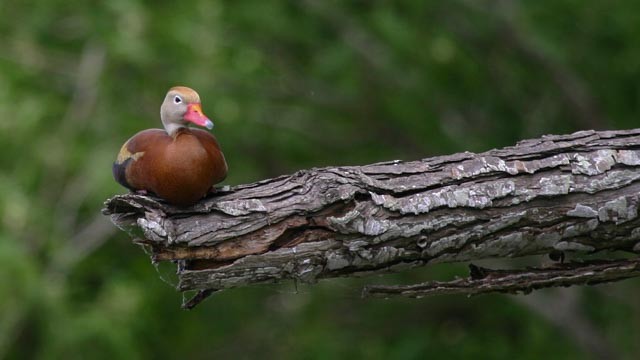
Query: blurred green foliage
x=290 y=85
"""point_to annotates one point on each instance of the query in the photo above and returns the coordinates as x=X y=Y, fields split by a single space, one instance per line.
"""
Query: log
x=574 y=193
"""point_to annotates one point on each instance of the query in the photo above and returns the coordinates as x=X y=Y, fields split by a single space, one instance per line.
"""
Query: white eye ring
x=177 y=99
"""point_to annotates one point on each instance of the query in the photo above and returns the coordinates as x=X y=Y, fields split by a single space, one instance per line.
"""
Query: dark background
x=290 y=85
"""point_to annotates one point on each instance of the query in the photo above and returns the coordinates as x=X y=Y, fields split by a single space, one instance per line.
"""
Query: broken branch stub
x=483 y=280
x=575 y=192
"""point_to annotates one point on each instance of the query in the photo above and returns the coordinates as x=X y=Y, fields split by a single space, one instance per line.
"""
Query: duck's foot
x=142 y=192
x=212 y=190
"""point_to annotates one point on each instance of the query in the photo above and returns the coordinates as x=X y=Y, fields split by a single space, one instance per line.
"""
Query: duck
x=178 y=164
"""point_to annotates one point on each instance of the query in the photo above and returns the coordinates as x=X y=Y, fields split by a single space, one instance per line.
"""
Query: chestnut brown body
x=180 y=169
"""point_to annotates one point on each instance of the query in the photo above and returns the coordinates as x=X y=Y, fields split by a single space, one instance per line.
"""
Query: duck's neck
x=172 y=128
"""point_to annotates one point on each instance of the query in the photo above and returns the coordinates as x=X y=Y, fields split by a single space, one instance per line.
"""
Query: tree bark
x=570 y=193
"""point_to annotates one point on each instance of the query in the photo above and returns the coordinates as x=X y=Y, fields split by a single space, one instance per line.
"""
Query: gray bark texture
x=569 y=193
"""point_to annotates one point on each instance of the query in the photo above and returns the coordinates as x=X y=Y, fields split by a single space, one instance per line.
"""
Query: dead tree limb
x=573 y=193
x=484 y=280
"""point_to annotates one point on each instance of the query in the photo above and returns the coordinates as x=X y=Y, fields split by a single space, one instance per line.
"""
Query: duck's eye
x=177 y=99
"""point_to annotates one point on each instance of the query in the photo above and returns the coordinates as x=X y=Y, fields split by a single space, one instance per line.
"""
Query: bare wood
x=573 y=193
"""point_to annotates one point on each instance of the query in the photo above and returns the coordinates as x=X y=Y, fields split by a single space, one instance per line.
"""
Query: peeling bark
x=573 y=193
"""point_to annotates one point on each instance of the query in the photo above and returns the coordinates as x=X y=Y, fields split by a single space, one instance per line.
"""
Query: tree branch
x=483 y=280
x=571 y=193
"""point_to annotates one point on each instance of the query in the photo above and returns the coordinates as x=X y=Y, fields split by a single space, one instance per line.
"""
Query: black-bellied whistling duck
x=178 y=164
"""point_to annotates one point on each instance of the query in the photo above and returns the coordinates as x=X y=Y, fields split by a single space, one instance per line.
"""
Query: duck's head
x=180 y=107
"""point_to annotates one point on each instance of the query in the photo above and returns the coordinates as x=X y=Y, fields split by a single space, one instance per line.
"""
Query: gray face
x=173 y=109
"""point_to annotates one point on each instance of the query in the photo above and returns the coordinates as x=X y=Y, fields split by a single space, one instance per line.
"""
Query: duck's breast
x=218 y=162
x=185 y=170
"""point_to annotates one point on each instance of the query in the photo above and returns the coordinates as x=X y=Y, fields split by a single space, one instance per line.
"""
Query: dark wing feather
x=119 y=173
